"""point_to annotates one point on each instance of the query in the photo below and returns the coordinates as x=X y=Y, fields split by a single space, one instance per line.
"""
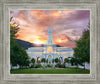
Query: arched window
x=49 y=59
x=49 y=49
x=49 y=56
x=38 y=60
x=61 y=59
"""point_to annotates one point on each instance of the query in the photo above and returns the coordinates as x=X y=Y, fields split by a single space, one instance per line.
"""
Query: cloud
x=67 y=25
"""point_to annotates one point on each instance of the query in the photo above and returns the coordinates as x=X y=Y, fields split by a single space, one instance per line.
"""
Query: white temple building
x=49 y=51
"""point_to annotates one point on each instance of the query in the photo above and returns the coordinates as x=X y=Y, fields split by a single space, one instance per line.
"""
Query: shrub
x=60 y=65
x=49 y=65
x=38 y=66
x=33 y=66
x=43 y=60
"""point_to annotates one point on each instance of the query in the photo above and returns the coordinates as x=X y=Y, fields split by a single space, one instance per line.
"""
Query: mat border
x=6 y=77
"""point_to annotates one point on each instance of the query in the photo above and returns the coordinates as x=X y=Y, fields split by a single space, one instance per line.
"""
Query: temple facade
x=50 y=51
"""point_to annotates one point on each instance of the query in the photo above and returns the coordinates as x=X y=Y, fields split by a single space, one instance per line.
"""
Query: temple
x=50 y=51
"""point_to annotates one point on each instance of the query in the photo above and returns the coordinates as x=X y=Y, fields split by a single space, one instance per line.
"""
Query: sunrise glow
x=38 y=42
x=67 y=25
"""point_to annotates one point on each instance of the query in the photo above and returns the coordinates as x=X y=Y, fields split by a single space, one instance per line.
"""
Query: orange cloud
x=68 y=11
x=34 y=25
x=38 y=14
x=39 y=40
x=21 y=14
x=56 y=13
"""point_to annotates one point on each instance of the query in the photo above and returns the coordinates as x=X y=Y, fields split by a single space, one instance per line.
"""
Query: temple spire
x=50 y=40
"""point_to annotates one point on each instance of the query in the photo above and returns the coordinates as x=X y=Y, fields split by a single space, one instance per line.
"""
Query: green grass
x=50 y=71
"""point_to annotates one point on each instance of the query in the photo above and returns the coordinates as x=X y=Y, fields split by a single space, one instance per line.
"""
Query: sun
x=37 y=42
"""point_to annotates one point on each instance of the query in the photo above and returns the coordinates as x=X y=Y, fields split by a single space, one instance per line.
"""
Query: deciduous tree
x=17 y=54
x=82 y=50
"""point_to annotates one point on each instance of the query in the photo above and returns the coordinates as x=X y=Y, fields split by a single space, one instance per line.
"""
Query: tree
x=75 y=61
x=72 y=61
x=56 y=60
x=33 y=60
x=27 y=62
x=23 y=57
x=67 y=60
x=52 y=60
x=43 y=60
x=17 y=54
x=82 y=50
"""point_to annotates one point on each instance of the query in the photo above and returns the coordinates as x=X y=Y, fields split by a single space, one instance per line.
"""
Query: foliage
x=17 y=54
x=60 y=65
x=33 y=60
x=56 y=60
x=33 y=65
x=49 y=65
x=73 y=60
x=82 y=50
x=13 y=30
x=52 y=60
x=67 y=60
x=43 y=60
x=76 y=61
x=38 y=66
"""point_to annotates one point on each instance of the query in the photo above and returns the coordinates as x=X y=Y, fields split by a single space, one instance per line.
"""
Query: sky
x=67 y=25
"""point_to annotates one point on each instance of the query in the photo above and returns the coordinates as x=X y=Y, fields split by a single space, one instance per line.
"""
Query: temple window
x=49 y=49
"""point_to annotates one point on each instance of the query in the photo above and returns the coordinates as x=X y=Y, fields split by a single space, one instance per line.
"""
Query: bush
x=38 y=66
x=33 y=66
x=60 y=65
x=49 y=65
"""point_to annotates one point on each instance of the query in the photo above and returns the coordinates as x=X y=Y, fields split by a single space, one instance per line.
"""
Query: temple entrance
x=38 y=60
x=49 y=62
x=49 y=59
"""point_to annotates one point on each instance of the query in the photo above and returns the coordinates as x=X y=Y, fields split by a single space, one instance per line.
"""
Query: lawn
x=50 y=71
